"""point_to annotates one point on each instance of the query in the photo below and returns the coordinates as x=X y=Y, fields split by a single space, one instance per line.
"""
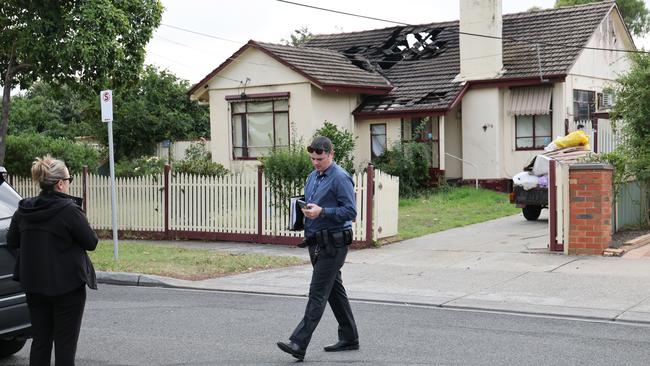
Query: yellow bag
x=575 y=138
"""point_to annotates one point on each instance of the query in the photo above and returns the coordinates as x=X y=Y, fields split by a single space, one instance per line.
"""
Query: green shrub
x=286 y=170
x=343 y=142
x=410 y=162
x=144 y=165
x=23 y=149
x=198 y=161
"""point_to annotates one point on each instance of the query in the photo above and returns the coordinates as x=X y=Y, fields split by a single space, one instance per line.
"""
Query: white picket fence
x=230 y=206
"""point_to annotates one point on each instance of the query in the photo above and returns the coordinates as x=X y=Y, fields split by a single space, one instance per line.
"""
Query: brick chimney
x=480 y=57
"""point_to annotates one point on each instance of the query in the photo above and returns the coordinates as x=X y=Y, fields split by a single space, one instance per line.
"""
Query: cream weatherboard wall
x=596 y=70
x=453 y=144
x=482 y=113
x=362 y=128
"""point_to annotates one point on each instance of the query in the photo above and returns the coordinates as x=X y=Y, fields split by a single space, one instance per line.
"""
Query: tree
x=632 y=115
x=298 y=37
x=155 y=109
x=634 y=12
x=95 y=44
x=59 y=112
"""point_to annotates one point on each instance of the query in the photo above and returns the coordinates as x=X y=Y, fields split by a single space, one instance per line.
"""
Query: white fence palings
x=226 y=204
x=139 y=202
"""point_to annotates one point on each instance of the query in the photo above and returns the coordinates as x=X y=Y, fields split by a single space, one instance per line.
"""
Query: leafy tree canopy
x=156 y=108
x=298 y=37
x=632 y=113
x=634 y=12
x=96 y=44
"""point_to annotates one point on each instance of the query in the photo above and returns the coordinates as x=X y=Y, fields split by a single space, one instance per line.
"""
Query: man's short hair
x=321 y=143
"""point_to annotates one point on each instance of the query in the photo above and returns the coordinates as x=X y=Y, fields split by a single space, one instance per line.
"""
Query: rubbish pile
x=535 y=174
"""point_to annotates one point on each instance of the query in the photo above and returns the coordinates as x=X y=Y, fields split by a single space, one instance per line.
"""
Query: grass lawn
x=449 y=208
x=183 y=263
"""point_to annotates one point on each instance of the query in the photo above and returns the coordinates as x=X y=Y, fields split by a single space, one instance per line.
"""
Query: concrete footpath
x=500 y=265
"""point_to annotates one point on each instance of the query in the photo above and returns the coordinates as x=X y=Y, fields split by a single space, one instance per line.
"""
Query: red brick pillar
x=590 y=194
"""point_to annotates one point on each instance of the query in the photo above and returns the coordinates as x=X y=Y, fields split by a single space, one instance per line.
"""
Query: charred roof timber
x=404 y=44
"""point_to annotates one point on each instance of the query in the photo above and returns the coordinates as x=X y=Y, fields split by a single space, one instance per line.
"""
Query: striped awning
x=530 y=100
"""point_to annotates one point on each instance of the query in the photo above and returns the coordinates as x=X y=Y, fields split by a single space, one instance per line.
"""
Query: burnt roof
x=423 y=69
x=326 y=67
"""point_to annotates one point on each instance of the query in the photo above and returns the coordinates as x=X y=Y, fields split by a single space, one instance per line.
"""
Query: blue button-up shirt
x=333 y=190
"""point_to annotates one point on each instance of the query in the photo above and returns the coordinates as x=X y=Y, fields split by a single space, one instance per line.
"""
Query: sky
x=192 y=56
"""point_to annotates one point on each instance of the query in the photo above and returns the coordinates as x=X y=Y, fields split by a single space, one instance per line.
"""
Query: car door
x=8 y=287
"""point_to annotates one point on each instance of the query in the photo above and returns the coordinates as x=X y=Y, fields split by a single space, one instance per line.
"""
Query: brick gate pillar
x=590 y=192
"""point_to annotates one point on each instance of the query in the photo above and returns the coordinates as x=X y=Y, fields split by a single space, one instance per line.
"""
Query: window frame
x=591 y=104
x=244 y=124
x=534 y=136
x=373 y=158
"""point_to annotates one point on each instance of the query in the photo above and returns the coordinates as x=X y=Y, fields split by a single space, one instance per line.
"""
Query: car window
x=9 y=199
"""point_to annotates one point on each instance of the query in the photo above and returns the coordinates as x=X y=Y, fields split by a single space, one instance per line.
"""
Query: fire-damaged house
x=486 y=93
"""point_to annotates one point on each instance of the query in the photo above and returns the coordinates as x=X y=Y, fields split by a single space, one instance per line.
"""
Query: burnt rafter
x=404 y=44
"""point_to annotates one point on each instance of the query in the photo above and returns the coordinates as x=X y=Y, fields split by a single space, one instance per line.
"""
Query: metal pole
x=113 y=194
x=468 y=163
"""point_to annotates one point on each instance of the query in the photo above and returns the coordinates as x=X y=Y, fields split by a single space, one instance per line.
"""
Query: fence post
x=84 y=188
x=260 y=170
x=166 y=190
x=594 y=127
x=370 y=192
x=552 y=207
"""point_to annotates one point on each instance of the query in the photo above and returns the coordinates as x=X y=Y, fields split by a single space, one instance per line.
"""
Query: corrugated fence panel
x=630 y=204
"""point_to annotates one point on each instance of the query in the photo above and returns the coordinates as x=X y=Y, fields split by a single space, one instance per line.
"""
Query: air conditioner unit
x=608 y=99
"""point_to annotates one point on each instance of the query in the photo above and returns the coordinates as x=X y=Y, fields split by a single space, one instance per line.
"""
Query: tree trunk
x=6 y=100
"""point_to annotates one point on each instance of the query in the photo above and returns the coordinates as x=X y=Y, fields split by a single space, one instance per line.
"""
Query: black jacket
x=52 y=235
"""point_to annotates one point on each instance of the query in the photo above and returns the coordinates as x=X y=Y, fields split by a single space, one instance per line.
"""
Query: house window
x=258 y=126
x=533 y=111
x=584 y=104
x=533 y=132
x=420 y=129
x=424 y=130
x=377 y=140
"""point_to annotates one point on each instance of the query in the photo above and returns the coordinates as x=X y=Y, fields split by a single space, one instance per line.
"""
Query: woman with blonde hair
x=52 y=236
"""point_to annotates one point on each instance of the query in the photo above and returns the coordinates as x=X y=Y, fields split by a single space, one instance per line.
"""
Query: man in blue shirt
x=331 y=207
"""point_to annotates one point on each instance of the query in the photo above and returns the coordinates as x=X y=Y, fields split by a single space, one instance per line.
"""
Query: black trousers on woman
x=55 y=319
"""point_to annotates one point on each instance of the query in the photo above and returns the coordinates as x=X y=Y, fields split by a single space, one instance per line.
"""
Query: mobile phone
x=302 y=204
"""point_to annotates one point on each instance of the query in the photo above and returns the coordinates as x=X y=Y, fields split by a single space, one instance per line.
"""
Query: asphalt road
x=152 y=326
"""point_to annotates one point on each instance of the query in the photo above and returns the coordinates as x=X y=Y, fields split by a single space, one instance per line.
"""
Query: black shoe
x=303 y=244
x=342 y=346
x=292 y=349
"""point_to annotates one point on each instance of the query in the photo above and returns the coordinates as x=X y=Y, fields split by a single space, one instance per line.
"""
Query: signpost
x=106 y=102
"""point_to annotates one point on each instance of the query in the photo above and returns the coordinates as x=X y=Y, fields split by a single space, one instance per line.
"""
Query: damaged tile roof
x=421 y=61
x=326 y=67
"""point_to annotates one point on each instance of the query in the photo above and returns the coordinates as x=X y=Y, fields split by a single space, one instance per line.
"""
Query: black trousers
x=55 y=319
x=326 y=286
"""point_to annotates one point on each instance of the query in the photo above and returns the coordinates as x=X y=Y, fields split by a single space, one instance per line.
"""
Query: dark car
x=15 y=326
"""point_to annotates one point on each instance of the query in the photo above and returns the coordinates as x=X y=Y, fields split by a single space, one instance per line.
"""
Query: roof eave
x=401 y=113
x=359 y=89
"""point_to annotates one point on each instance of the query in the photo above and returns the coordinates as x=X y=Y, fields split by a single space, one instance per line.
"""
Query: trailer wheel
x=531 y=213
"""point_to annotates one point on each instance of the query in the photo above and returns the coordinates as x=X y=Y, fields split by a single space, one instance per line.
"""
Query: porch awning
x=530 y=100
